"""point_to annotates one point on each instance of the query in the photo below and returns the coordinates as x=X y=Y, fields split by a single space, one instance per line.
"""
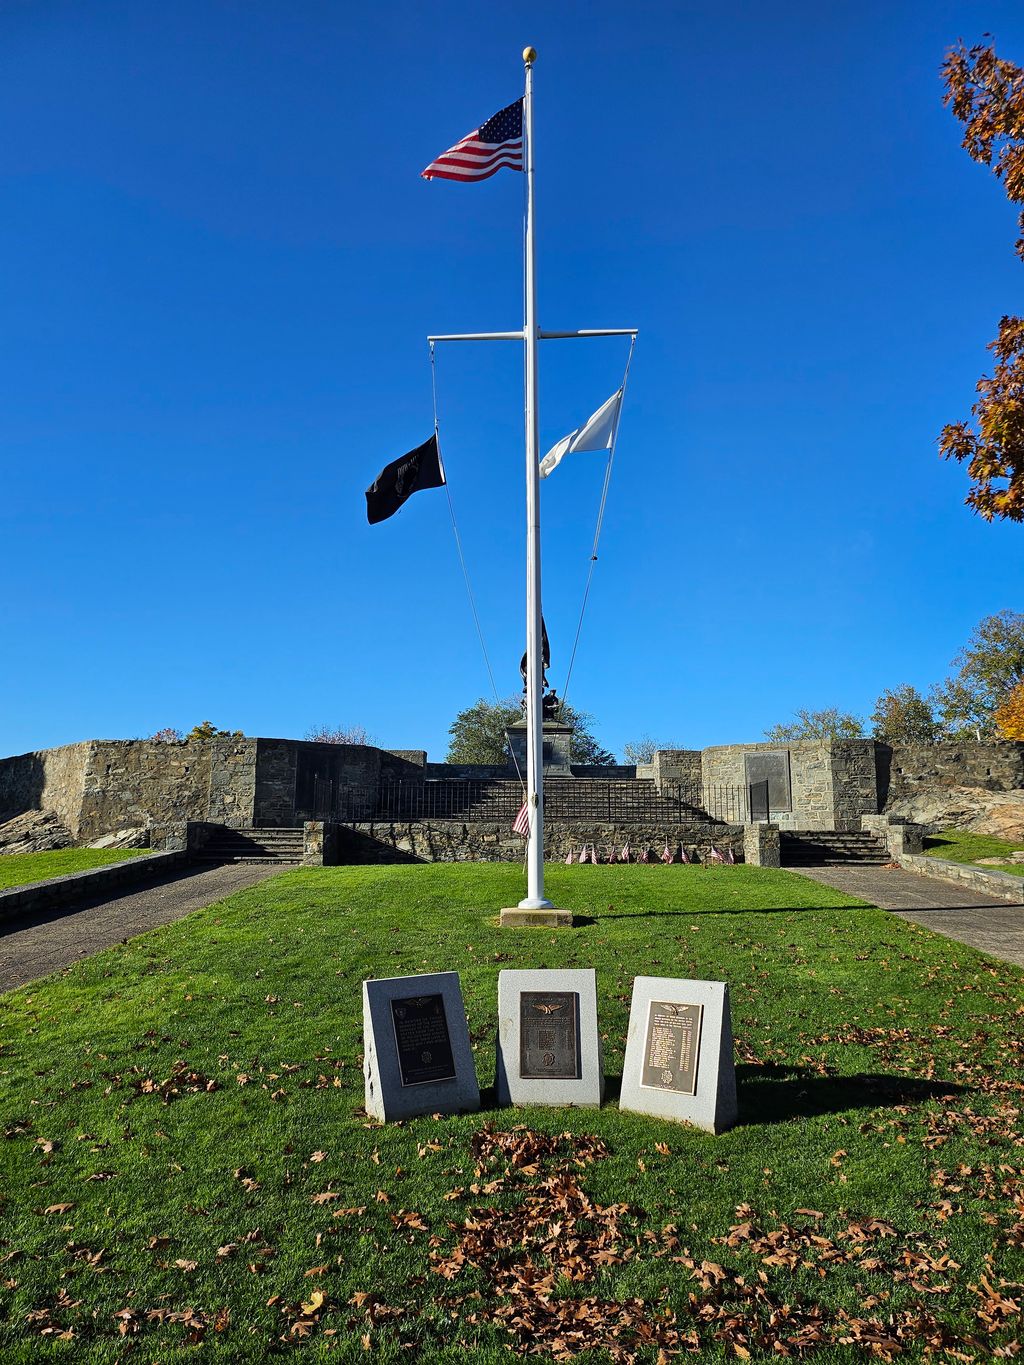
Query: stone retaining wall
x=79 y=886
x=453 y=841
x=1002 y=886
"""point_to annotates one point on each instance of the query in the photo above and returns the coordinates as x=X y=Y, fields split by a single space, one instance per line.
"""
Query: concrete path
x=34 y=945
x=995 y=927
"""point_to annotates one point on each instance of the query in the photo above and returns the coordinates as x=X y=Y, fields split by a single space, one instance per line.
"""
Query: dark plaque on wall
x=771 y=767
x=549 y=1047
x=671 y=1047
x=421 y=1035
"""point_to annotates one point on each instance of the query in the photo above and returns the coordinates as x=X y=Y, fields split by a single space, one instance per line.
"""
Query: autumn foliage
x=986 y=93
x=1009 y=717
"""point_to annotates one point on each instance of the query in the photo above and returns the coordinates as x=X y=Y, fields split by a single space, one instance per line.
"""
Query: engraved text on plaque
x=421 y=1035
x=671 y=1047
x=548 y=1036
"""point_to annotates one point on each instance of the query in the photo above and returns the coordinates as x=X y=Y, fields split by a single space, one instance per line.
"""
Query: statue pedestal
x=557 y=747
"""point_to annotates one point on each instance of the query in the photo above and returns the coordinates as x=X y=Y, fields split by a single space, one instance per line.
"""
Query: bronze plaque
x=421 y=1035
x=671 y=1047
x=549 y=1046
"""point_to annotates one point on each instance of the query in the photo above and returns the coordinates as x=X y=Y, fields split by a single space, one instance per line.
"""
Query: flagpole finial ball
x=529 y=55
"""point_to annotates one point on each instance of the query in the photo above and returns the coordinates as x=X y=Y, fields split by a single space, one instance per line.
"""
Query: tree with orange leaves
x=1009 y=717
x=986 y=93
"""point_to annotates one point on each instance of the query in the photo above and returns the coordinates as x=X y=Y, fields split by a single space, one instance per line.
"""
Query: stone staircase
x=816 y=848
x=227 y=845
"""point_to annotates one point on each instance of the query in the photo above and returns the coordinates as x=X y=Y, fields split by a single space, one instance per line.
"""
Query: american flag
x=643 y=856
x=714 y=856
x=682 y=855
x=570 y=857
x=496 y=143
x=666 y=856
x=624 y=856
x=521 y=824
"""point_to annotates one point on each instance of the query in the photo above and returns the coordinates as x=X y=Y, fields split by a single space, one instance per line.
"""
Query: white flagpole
x=535 y=899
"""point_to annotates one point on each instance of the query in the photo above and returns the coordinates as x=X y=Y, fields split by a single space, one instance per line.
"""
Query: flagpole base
x=531 y=915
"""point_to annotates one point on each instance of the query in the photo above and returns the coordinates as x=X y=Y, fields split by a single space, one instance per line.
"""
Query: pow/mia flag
x=421 y=468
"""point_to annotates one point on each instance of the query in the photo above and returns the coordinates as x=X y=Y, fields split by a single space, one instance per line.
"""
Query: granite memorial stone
x=418 y=1058
x=549 y=1047
x=679 y=1058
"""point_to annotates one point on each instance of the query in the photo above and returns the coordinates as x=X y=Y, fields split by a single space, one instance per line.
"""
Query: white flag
x=597 y=433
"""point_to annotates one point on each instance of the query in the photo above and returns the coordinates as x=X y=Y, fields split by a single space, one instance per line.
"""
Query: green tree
x=902 y=716
x=207 y=730
x=478 y=733
x=989 y=667
x=828 y=724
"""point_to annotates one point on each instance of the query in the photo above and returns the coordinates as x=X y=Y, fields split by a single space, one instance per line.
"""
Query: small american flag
x=570 y=857
x=730 y=857
x=583 y=854
x=626 y=853
x=496 y=143
x=643 y=856
x=682 y=855
x=593 y=854
x=714 y=856
x=521 y=824
x=666 y=856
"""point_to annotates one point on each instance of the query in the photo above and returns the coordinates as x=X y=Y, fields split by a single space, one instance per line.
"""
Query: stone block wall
x=675 y=765
x=50 y=779
x=276 y=767
x=137 y=783
x=904 y=770
x=232 y=799
x=854 y=782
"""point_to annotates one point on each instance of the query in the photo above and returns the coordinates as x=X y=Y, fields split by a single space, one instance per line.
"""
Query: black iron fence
x=579 y=799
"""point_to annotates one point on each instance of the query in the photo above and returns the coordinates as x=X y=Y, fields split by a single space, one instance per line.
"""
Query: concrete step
x=816 y=848
x=270 y=845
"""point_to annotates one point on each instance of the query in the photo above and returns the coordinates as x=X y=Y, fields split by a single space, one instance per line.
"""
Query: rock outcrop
x=34 y=831
x=976 y=809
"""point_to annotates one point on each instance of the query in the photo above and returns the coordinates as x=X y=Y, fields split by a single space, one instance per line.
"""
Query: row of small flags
x=588 y=854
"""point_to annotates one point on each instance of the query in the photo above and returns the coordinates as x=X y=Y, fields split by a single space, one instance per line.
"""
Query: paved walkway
x=34 y=945
x=996 y=927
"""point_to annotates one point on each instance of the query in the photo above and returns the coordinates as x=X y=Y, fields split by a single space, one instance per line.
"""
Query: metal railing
x=571 y=800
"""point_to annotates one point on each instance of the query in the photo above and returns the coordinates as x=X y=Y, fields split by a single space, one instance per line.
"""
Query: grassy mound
x=19 y=869
x=959 y=846
x=185 y=1160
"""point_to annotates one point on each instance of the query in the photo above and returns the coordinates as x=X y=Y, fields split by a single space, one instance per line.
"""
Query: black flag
x=421 y=468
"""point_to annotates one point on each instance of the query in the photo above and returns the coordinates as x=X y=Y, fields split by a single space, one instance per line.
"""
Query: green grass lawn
x=958 y=846
x=184 y=1158
x=18 y=869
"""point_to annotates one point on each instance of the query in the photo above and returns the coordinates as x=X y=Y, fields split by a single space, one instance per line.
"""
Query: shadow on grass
x=771 y=1093
x=709 y=910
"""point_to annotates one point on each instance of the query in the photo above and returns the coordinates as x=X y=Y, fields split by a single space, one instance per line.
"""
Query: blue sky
x=219 y=267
